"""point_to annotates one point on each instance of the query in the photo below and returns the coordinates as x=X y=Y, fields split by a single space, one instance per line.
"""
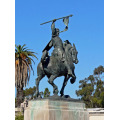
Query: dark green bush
x=19 y=116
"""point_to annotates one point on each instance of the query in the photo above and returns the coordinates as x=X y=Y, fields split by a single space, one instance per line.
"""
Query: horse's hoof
x=55 y=92
x=61 y=93
x=62 y=96
x=65 y=96
x=39 y=96
x=72 y=80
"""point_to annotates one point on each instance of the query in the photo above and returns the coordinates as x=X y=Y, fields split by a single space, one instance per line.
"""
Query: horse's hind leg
x=55 y=88
x=37 y=84
x=64 y=84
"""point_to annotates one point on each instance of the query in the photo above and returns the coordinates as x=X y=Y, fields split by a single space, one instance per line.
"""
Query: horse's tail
x=40 y=70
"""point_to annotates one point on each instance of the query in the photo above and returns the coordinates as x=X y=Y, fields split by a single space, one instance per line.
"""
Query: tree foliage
x=19 y=116
x=23 y=67
x=46 y=92
x=29 y=92
x=91 y=89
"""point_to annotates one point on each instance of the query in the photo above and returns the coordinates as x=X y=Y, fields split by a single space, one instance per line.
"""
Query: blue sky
x=86 y=31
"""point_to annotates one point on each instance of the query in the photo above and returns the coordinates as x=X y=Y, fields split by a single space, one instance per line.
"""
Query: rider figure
x=56 y=42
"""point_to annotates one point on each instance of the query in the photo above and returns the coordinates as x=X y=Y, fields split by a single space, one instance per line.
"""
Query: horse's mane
x=67 y=47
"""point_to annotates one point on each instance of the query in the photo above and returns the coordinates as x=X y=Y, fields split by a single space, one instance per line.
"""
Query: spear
x=56 y=19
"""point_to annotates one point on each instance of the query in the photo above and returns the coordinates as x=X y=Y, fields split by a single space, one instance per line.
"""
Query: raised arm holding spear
x=56 y=42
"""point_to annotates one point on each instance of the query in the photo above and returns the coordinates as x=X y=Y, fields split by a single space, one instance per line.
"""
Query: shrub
x=19 y=116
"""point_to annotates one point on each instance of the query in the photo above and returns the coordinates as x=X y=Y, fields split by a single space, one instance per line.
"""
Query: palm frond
x=32 y=60
x=23 y=46
x=24 y=66
x=32 y=55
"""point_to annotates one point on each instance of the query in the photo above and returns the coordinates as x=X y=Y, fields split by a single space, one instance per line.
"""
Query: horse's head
x=74 y=54
x=71 y=51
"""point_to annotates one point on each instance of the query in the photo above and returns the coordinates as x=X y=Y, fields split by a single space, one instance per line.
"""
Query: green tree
x=99 y=91
x=23 y=67
x=86 y=90
x=46 y=92
x=91 y=89
x=29 y=92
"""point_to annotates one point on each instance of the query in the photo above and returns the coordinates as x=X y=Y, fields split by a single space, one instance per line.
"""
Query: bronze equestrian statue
x=60 y=63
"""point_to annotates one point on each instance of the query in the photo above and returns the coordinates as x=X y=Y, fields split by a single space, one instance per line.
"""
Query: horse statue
x=52 y=67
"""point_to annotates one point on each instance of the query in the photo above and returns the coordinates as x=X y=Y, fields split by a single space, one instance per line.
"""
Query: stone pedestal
x=47 y=109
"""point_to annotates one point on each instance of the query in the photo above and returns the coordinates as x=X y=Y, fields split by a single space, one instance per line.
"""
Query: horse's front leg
x=64 y=84
x=73 y=79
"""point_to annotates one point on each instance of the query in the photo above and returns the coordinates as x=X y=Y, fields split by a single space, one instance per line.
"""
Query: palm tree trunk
x=19 y=97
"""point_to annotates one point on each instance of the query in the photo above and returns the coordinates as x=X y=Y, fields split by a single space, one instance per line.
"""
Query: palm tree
x=23 y=67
